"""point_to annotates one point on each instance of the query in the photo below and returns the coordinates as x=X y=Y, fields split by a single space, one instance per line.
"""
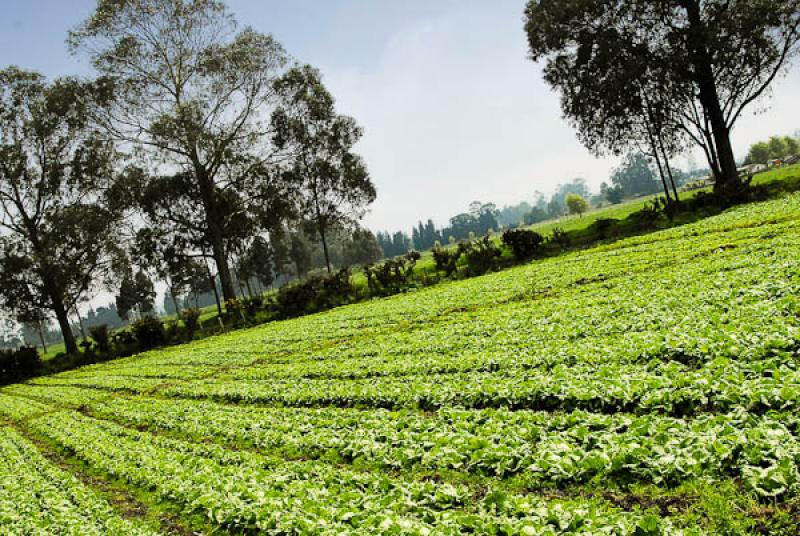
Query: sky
x=452 y=109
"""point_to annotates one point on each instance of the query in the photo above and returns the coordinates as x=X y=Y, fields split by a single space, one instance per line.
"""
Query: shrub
x=191 y=320
x=336 y=290
x=172 y=333
x=16 y=365
x=252 y=305
x=234 y=310
x=149 y=332
x=524 y=243
x=647 y=217
x=102 y=338
x=392 y=275
x=317 y=293
x=480 y=255
x=124 y=343
x=560 y=237
x=603 y=226
x=446 y=259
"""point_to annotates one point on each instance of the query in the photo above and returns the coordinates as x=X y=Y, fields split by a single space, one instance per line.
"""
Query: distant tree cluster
x=777 y=147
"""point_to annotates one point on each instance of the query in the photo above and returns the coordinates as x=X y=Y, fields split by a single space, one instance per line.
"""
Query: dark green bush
x=317 y=293
x=191 y=321
x=102 y=338
x=481 y=255
x=391 y=276
x=149 y=332
x=560 y=237
x=19 y=364
x=524 y=243
x=252 y=305
x=602 y=227
x=446 y=259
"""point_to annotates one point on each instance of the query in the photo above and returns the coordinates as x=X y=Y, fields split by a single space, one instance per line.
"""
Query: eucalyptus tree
x=693 y=66
x=193 y=94
x=334 y=185
x=61 y=200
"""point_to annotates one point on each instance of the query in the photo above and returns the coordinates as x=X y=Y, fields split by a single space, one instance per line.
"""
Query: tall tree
x=334 y=184
x=700 y=63
x=59 y=202
x=194 y=92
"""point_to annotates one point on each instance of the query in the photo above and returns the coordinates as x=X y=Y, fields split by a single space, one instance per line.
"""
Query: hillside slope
x=643 y=387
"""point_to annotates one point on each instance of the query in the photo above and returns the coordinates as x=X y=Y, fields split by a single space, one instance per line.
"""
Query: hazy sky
x=452 y=109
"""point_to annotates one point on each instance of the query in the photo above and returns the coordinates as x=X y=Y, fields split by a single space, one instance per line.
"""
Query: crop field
x=645 y=386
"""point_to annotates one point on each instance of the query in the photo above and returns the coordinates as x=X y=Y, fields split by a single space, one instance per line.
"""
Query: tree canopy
x=60 y=201
x=661 y=71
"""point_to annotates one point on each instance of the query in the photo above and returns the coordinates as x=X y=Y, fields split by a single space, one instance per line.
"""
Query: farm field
x=646 y=386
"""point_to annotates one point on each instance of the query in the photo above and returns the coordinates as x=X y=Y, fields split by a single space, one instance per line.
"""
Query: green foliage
x=392 y=275
x=191 y=321
x=524 y=243
x=317 y=293
x=446 y=259
x=576 y=204
x=19 y=364
x=149 y=332
x=102 y=338
x=481 y=255
x=776 y=148
x=560 y=237
x=608 y=390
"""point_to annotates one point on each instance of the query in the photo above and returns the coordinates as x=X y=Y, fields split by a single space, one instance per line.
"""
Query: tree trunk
x=41 y=336
x=669 y=170
x=80 y=323
x=728 y=180
x=175 y=302
x=216 y=294
x=325 y=247
x=249 y=288
x=70 y=345
x=215 y=234
x=221 y=260
x=658 y=163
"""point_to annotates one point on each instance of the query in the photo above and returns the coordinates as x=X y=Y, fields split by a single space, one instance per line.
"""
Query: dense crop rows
x=502 y=404
x=38 y=498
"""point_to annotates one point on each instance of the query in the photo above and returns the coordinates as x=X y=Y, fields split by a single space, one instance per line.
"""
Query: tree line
x=199 y=151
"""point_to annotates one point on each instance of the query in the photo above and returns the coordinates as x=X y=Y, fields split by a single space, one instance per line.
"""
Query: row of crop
x=668 y=388
x=542 y=448
x=38 y=498
x=247 y=491
x=17 y=408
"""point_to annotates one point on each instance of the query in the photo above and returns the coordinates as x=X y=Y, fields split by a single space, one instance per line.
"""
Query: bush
x=149 y=332
x=252 y=305
x=560 y=237
x=191 y=321
x=16 y=365
x=446 y=259
x=392 y=275
x=603 y=226
x=480 y=255
x=102 y=338
x=524 y=243
x=234 y=310
x=124 y=343
x=317 y=293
